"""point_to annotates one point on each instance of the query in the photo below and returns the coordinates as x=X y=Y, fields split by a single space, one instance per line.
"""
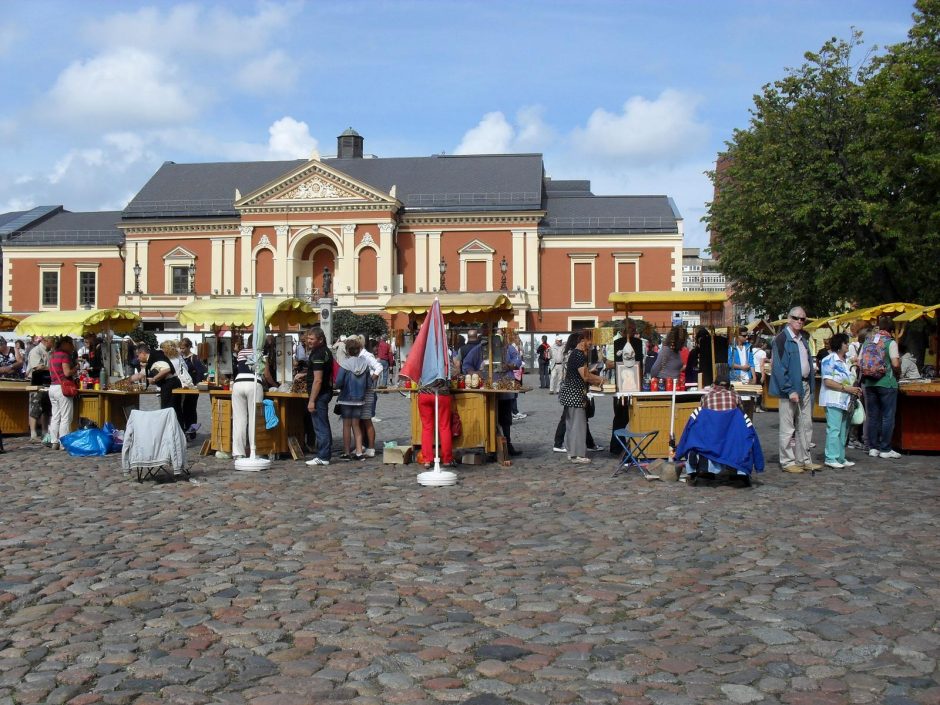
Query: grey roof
x=568 y=187
x=349 y=132
x=202 y=190
x=67 y=228
x=608 y=214
x=11 y=222
x=454 y=182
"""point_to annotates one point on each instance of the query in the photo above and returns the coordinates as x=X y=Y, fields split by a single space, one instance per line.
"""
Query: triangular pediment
x=179 y=253
x=316 y=184
x=476 y=247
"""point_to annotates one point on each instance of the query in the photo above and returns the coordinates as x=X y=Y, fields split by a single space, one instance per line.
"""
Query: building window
x=180 y=281
x=87 y=289
x=50 y=289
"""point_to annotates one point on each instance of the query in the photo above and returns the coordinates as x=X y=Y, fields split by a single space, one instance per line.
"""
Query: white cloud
x=193 y=30
x=290 y=139
x=662 y=130
x=494 y=134
x=123 y=87
x=8 y=38
x=273 y=72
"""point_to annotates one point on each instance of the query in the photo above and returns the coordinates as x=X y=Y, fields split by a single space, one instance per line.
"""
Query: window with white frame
x=50 y=288
x=87 y=288
x=583 y=277
x=179 y=280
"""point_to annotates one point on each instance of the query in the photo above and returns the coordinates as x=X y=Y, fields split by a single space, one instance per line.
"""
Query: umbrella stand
x=253 y=463
x=437 y=477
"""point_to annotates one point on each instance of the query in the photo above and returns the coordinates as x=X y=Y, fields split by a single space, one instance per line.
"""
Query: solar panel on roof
x=27 y=219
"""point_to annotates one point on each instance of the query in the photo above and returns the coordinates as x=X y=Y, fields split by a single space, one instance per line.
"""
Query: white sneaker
x=578 y=459
x=369 y=452
x=848 y=463
x=519 y=416
x=560 y=449
x=873 y=452
x=376 y=419
x=837 y=466
x=595 y=449
x=317 y=461
x=890 y=455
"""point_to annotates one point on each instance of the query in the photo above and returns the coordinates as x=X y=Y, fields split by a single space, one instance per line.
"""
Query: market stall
x=281 y=314
x=916 y=425
x=476 y=407
x=660 y=411
x=105 y=403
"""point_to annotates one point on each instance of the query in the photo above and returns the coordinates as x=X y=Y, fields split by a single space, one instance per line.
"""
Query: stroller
x=154 y=445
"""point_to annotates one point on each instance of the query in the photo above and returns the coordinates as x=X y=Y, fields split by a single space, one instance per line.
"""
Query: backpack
x=872 y=360
x=546 y=353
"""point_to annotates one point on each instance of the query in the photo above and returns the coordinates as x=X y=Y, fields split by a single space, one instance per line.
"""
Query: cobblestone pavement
x=540 y=583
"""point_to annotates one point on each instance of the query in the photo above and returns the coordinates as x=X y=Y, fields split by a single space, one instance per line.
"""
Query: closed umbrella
x=429 y=362
x=253 y=463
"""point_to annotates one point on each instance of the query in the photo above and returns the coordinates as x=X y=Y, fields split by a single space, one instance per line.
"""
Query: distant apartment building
x=699 y=274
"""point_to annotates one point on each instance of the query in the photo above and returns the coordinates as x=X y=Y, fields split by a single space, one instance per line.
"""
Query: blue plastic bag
x=87 y=441
x=270 y=415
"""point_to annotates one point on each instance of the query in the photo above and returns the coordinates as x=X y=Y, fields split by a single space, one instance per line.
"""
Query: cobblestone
x=531 y=584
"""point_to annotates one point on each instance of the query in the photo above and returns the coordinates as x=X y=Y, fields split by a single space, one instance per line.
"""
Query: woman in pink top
x=60 y=368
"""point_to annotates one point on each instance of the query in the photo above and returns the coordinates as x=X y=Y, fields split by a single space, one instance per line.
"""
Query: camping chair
x=154 y=444
x=634 y=449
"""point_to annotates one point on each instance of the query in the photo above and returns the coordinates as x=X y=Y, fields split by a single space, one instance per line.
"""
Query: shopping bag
x=87 y=441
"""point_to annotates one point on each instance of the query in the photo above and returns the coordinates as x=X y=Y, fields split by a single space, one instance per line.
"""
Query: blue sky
x=636 y=96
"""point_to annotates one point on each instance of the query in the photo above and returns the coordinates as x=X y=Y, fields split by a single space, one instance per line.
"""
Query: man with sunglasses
x=792 y=379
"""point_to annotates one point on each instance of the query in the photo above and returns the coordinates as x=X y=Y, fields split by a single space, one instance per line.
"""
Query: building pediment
x=179 y=253
x=318 y=185
x=476 y=247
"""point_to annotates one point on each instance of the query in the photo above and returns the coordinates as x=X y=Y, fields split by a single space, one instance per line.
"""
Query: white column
x=143 y=252
x=386 y=263
x=281 y=273
x=532 y=268
x=215 y=285
x=245 y=232
x=228 y=266
x=519 y=264
x=421 y=261
x=345 y=274
x=434 y=260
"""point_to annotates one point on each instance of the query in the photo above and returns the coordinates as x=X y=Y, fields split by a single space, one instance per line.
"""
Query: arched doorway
x=317 y=255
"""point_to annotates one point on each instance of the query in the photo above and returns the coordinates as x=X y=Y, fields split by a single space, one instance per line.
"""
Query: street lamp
x=503 y=267
x=443 y=267
x=327 y=280
x=192 y=277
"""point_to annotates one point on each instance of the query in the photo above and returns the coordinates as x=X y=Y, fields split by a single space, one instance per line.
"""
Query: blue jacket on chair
x=725 y=437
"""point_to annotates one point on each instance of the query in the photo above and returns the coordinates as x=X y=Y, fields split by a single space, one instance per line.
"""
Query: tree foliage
x=371 y=325
x=830 y=196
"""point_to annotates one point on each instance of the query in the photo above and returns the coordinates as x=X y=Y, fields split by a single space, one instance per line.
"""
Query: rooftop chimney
x=349 y=145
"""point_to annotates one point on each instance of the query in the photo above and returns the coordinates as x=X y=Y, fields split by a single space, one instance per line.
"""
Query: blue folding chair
x=634 y=450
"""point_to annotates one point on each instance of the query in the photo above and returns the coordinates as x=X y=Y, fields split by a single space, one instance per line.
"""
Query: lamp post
x=325 y=304
x=443 y=267
x=503 y=267
x=192 y=277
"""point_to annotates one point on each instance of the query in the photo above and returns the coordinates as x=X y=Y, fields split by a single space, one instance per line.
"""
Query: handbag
x=456 y=425
x=858 y=415
x=69 y=388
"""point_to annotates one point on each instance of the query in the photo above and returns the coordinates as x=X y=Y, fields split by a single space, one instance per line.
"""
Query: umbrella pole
x=437 y=434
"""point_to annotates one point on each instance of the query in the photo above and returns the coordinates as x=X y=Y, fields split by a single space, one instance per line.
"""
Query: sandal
x=345 y=456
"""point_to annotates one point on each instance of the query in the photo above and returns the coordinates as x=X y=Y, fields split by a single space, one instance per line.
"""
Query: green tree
x=371 y=325
x=829 y=197
x=904 y=121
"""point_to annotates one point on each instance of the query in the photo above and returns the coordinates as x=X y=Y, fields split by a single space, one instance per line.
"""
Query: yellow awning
x=80 y=322
x=870 y=314
x=481 y=307
x=667 y=301
x=915 y=313
x=279 y=312
x=753 y=326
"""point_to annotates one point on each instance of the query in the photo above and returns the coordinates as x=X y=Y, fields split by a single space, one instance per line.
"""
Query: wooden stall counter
x=14 y=407
x=290 y=407
x=772 y=402
x=650 y=411
x=916 y=425
x=106 y=406
x=477 y=410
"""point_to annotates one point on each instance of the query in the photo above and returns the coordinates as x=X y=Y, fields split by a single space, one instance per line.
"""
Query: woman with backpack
x=880 y=366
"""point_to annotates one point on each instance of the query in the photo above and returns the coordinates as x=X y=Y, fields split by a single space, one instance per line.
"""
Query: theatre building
x=380 y=225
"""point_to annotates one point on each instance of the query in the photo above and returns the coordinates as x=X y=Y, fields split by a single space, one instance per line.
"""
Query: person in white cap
x=557 y=364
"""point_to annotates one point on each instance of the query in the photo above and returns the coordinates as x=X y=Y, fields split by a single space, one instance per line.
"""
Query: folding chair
x=634 y=450
x=154 y=444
